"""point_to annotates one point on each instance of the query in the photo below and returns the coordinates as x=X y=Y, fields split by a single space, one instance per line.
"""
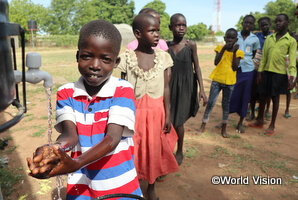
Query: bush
x=57 y=40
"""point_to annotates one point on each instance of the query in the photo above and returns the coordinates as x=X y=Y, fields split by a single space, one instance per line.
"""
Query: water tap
x=33 y=74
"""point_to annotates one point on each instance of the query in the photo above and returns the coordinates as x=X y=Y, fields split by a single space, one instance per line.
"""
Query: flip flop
x=287 y=116
x=269 y=132
x=162 y=178
x=253 y=125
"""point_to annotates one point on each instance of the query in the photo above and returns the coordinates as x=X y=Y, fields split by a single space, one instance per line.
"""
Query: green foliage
x=160 y=7
x=60 y=17
x=197 y=32
x=8 y=178
x=66 y=17
x=116 y=11
x=58 y=40
x=20 y=11
x=219 y=33
x=271 y=10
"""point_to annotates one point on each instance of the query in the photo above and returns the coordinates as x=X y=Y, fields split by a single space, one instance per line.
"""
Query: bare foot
x=200 y=131
x=240 y=128
x=224 y=134
x=179 y=158
x=219 y=125
x=250 y=118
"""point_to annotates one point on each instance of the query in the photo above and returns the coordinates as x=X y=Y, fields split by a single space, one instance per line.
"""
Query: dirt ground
x=250 y=155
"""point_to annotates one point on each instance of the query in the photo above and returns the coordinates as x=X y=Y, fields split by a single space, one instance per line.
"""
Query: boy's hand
x=43 y=161
x=66 y=164
x=291 y=84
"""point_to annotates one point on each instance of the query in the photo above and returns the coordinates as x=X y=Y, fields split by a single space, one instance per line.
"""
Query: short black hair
x=138 y=21
x=101 y=28
x=264 y=18
x=231 y=30
x=285 y=15
x=247 y=16
x=148 y=10
x=173 y=17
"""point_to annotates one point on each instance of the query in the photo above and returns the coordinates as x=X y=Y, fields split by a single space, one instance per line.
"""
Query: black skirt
x=273 y=84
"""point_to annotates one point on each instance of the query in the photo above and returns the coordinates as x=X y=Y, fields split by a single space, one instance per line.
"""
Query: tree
x=60 y=16
x=282 y=6
x=114 y=11
x=160 y=7
x=197 y=32
x=271 y=10
x=20 y=11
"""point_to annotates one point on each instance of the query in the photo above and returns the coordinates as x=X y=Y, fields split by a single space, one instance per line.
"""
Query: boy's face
x=281 y=23
x=231 y=39
x=97 y=59
x=264 y=25
x=178 y=26
x=248 y=24
x=149 y=35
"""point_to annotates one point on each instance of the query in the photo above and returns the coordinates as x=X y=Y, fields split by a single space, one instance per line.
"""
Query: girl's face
x=178 y=26
x=149 y=35
x=281 y=23
x=96 y=60
x=231 y=39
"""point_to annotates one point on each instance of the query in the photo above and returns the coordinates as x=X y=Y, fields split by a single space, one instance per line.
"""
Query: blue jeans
x=226 y=96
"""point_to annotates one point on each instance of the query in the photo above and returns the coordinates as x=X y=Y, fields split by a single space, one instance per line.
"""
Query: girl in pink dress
x=146 y=69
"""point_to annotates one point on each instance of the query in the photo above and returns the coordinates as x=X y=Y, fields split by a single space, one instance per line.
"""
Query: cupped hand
x=43 y=161
x=66 y=164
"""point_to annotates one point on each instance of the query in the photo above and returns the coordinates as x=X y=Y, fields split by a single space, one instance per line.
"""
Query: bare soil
x=249 y=155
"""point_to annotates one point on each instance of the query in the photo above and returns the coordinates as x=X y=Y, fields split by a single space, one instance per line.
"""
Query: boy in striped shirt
x=95 y=117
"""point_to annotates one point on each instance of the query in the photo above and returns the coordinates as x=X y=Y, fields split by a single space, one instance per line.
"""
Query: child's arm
x=166 y=101
x=44 y=160
x=198 y=71
x=108 y=144
x=236 y=60
x=67 y=164
x=218 y=56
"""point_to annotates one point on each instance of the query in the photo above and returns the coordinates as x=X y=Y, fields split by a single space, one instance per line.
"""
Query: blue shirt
x=250 y=44
x=262 y=38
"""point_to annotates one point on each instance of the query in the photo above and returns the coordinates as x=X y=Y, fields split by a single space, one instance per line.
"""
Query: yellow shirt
x=223 y=73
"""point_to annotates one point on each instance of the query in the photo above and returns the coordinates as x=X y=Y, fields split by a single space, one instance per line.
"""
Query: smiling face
x=248 y=24
x=178 y=26
x=96 y=60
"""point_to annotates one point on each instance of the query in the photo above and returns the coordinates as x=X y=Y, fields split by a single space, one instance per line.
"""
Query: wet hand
x=66 y=164
x=42 y=162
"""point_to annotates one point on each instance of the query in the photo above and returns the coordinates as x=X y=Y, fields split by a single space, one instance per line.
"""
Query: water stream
x=59 y=179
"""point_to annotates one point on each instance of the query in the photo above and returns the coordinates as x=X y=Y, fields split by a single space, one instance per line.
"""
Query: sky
x=201 y=11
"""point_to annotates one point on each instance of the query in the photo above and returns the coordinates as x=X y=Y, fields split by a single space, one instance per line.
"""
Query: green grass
x=8 y=178
x=40 y=132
